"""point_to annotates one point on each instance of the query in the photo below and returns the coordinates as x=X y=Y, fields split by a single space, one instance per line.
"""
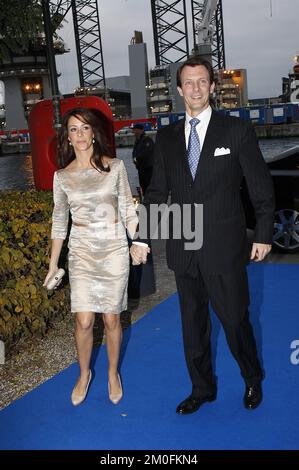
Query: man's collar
x=204 y=116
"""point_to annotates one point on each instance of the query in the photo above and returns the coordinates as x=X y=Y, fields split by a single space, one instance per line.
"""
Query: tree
x=21 y=22
x=21 y=26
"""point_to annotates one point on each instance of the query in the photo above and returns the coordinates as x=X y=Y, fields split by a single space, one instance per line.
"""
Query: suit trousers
x=145 y=176
x=229 y=297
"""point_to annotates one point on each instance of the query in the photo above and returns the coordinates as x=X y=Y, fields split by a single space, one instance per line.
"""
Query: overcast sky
x=255 y=40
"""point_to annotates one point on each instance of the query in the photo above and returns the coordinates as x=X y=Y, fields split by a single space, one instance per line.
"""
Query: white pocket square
x=221 y=151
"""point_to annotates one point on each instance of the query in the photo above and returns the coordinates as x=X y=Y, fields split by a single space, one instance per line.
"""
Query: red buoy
x=43 y=136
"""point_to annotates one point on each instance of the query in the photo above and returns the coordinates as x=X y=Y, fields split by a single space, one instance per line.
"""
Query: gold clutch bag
x=55 y=279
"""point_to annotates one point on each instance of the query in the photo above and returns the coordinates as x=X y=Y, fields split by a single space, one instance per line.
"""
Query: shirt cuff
x=140 y=243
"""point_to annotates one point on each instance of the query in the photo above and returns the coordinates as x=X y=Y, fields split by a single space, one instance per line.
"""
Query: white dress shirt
x=201 y=127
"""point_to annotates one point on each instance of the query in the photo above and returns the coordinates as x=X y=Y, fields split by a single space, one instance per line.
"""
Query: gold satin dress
x=102 y=214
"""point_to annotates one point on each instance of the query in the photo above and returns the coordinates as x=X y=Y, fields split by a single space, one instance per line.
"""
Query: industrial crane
x=87 y=36
x=204 y=30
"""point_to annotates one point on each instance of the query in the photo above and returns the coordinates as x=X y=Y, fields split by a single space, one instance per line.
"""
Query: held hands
x=259 y=251
x=139 y=254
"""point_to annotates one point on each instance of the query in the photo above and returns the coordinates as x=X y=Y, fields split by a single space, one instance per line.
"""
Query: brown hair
x=193 y=62
x=100 y=147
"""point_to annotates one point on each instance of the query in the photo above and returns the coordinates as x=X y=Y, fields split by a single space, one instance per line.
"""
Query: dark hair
x=138 y=126
x=193 y=62
x=100 y=147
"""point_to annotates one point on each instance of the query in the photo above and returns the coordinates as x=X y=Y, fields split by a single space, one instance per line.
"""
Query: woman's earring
x=93 y=140
x=70 y=143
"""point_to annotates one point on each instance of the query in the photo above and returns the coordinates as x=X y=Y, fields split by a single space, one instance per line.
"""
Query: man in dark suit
x=143 y=156
x=201 y=160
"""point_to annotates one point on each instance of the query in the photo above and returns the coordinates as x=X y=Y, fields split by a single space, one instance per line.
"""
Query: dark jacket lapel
x=214 y=133
x=181 y=144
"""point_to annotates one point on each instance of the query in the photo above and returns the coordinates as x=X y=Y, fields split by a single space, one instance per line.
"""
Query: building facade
x=231 y=88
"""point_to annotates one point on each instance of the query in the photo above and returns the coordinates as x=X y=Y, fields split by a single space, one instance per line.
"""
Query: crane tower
x=208 y=35
x=87 y=36
x=170 y=31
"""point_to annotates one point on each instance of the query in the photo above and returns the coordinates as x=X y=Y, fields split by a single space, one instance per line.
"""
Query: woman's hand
x=139 y=253
x=52 y=270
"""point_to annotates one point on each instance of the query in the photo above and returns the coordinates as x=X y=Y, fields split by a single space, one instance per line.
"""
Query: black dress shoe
x=253 y=396
x=191 y=404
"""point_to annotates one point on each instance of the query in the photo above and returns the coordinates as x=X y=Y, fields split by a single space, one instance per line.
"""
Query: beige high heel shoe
x=76 y=398
x=116 y=397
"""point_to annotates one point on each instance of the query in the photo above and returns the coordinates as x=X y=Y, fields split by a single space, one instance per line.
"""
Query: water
x=16 y=170
x=271 y=147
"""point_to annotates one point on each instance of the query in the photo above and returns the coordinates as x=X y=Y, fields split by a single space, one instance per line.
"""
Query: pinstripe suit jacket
x=217 y=187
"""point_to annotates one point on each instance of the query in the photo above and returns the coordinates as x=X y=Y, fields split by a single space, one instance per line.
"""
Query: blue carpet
x=155 y=380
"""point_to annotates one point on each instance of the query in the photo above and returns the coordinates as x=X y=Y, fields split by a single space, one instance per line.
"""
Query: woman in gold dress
x=93 y=186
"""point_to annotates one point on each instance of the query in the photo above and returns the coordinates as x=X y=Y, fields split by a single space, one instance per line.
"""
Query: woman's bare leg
x=84 y=343
x=113 y=339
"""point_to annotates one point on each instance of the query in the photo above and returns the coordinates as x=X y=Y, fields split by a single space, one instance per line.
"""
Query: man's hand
x=259 y=251
x=139 y=253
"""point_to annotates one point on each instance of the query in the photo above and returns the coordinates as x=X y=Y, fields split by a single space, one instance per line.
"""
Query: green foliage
x=21 y=26
x=26 y=308
x=21 y=22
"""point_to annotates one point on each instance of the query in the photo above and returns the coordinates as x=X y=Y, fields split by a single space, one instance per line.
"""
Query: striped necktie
x=193 y=151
